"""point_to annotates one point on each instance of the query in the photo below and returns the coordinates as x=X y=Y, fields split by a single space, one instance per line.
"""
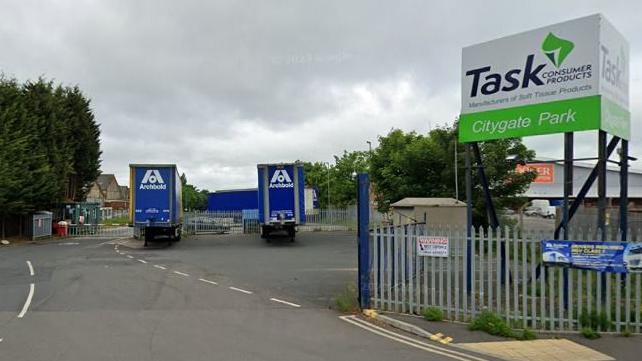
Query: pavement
x=225 y=297
x=548 y=346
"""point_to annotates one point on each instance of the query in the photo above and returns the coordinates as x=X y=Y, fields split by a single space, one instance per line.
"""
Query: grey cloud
x=218 y=86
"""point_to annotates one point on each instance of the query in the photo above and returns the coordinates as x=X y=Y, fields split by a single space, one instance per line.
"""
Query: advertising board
x=571 y=76
x=613 y=257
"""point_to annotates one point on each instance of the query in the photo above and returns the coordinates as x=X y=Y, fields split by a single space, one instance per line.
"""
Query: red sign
x=545 y=171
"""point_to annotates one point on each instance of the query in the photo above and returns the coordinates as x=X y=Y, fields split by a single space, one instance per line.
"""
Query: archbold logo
x=556 y=49
x=152 y=180
x=281 y=179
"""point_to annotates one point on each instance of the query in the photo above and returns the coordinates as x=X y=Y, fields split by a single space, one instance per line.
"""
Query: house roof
x=428 y=202
x=104 y=180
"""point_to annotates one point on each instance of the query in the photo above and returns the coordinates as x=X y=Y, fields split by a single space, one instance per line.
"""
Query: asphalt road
x=206 y=298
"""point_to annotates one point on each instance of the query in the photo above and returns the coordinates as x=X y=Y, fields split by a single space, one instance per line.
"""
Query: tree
x=415 y=165
x=193 y=198
x=49 y=146
x=337 y=178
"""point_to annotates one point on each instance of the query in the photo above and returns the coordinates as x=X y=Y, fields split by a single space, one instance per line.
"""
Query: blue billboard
x=613 y=257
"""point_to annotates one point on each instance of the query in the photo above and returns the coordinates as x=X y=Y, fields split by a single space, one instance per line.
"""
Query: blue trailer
x=232 y=200
x=155 y=201
x=281 y=198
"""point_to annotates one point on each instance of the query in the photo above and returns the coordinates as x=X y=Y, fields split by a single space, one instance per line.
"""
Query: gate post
x=363 y=216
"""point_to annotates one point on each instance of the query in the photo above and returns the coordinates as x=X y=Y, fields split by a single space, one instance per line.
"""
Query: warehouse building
x=549 y=183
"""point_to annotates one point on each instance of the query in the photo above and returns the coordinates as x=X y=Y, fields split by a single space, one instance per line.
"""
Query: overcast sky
x=219 y=86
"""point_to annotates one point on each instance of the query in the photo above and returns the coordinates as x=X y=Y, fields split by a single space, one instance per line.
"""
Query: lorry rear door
x=281 y=192
x=152 y=201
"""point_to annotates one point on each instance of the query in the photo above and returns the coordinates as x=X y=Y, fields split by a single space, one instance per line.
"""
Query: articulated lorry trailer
x=281 y=198
x=155 y=202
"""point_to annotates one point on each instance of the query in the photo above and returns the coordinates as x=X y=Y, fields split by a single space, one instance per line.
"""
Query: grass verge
x=346 y=301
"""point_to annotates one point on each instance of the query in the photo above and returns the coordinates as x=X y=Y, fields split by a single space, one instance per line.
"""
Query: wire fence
x=503 y=273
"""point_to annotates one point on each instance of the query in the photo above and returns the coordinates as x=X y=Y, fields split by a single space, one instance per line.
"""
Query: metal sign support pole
x=624 y=189
x=586 y=186
x=363 y=216
x=568 y=179
x=568 y=192
x=490 y=207
x=601 y=198
x=601 y=186
x=469 y=218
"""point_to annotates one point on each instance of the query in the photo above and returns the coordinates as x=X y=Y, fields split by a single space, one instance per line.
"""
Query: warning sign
x=432 y=246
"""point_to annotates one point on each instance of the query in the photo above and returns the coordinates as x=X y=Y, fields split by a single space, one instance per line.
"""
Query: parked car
x=633 y=258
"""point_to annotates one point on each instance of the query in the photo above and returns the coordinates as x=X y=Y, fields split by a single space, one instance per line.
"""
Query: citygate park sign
x=572 y=76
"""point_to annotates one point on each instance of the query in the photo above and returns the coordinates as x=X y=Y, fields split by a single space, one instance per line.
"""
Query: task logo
x=556 y=49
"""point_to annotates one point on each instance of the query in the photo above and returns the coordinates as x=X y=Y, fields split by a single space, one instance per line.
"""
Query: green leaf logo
x=556 y=49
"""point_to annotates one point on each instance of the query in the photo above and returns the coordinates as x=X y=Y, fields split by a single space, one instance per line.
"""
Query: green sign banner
x=536 y=119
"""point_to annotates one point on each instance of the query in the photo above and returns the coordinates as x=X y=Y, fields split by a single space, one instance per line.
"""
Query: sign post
x=567 y=77
x=363 y=216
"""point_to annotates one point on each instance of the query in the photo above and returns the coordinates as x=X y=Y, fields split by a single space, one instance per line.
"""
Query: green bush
x=492 y=324
x=595 y=321
x=527 y=335
x=589 y=333
x=433 y=314
x=346 y=301
x=495 y=325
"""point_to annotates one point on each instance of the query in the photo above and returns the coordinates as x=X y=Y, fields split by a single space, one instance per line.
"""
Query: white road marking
x=1 y=339
x=31 y=272
x=285 y=302
x=181 y=273
x=160 y=267
x=28 y=301
x=207 y=281
x=408 y=340
x=142 y=261
x=68 y=244
x=240 y=290
x=130 y=256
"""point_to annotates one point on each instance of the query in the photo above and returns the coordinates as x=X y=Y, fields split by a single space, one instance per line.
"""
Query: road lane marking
x=207 y=281
x=142 y=261
x=28 y=301
x=160 y=267
x=240 y=290
x=31 y=272
x=130 y=256
x=408 y=340
x=181 y=273
x=285 y=302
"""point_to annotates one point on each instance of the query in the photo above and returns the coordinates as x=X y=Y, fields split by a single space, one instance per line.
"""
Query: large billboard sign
x=566 y=77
